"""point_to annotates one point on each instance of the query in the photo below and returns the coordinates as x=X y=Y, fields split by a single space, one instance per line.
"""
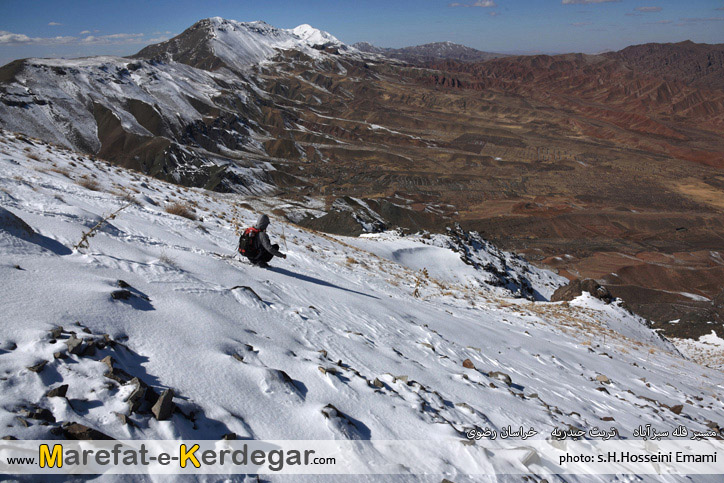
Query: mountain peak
x=215 y=42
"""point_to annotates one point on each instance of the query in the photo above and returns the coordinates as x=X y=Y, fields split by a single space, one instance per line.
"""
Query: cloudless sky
x=55 y=28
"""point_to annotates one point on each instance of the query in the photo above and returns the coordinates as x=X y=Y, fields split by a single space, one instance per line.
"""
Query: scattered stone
x=603 y=379
x=401 y=378
x=327 y=370
x=90 y=349
x=445 y=480
x=121 y=294
x=163 y=408
x=9 y=438
x=125 y=420
x=59 y=391
x=468 y=364
x=602 y=389
x=22 y=421
x=40 y=414
x=87 y=330
x=607 y=418
x=501 y=376
x=229 y=437
x=137 y=396
x=677 y=409
x=108 y=361
x=59 y=355
x=123 y=284
x=378 y=383
x=329 y=411
x=18 y=267
x=237 y=357
x=323 y=352
x=78 y=431
x=118 y=375
x=56 y=333
x=75 y=345
x=38 y=367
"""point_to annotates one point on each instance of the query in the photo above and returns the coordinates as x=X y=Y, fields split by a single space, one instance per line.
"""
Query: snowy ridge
x=262 y=353
x=241 y=45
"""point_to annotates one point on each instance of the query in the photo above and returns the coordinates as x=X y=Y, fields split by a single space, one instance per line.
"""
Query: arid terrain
x=607 y=166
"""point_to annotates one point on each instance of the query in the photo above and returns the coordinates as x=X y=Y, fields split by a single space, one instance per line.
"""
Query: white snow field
x=260 y=353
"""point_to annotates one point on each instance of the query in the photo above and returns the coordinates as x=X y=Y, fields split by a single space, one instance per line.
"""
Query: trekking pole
x=284 y=237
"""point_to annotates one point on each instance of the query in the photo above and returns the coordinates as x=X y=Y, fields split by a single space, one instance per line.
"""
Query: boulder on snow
x=59 y=391
x=75 y=345
x=576 y=287
x=603 y=379
x=38 y=367
x=501 y=376
x=164 y=407
x=79 y=431
x=468 y=364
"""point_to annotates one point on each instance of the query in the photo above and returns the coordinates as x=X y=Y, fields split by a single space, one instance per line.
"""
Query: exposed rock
x=77 y=431
x=378 y=383
x=576 y=287
x=118 y=375
x=38 y=367
x=123 y=284
x=164 y=407
x=41 y=414
x=677 y=409
x=56 y=333
x=125 y=420
x=59 y=355
x=468 y=364
x=607 y=418
x=108 y=361
x=59 y=391
x=603 y=379
x=9 y=438
x=229 y=437
x=137 y=396
x=501 y=376
x=237 y=357
x=90 y=349
x=121 y=294
x=75 y=345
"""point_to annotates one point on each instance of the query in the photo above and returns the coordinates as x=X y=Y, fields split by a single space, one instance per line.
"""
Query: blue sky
x=57 y=28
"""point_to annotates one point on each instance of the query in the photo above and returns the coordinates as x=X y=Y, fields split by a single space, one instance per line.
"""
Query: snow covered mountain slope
x=261 y=353
x=215 y=43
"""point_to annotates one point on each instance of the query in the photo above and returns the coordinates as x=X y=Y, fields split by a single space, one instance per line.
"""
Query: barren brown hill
x=698 y=65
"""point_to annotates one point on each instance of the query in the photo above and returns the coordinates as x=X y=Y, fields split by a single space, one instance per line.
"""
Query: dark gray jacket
x=262 y=238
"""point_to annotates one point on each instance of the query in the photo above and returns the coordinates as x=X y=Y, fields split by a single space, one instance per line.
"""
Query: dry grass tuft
x=89 y=183
x=180 y=209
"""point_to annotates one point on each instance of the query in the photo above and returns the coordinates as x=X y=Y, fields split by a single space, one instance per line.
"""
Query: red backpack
x=246 y=242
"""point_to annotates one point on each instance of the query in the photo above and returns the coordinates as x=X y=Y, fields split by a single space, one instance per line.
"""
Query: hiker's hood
x=262 y=223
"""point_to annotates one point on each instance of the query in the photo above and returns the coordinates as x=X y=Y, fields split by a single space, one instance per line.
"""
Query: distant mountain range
x=430 y=52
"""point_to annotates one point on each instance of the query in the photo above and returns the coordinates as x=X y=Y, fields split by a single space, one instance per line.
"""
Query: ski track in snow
x=340 y=304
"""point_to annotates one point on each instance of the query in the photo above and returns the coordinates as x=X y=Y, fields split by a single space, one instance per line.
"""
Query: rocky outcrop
x=576 y=287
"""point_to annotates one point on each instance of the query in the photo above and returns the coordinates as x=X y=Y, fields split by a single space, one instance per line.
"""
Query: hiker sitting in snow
x=254 y=244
